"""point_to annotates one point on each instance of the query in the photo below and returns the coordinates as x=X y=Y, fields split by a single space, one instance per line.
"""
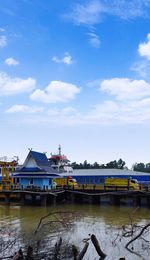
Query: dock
x=44 y=198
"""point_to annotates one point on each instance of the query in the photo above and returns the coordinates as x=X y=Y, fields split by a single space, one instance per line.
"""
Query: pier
x=43 y=198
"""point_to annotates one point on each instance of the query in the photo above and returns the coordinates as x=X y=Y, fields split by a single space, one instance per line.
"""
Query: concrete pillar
x=7 y=198
x=90 y=199
x=43 y=200
x=148 y=201
x=97 y=199
x=72 y=197
x=114 y=200
x=136 y=201
x=54 y=200
x=33 y=198
x=22 y=199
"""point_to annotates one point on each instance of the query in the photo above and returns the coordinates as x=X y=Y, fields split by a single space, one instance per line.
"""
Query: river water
x=106 y=222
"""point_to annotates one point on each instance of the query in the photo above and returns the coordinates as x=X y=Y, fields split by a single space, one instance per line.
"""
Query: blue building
x=36 y=172
x=97 y=176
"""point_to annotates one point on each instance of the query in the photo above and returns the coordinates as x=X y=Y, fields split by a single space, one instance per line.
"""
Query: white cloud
x=67 y=59
x=126 y=9
x=88 y=14
x=11 y=86
x=144 y=48
x=3 y=41
x=142 y=68
x=11 y=61
x=67 y=111
x=128 y=103
x=126 y=89
x=94 y=39
x=91 y=12
x=24 y=109
x=56 y=91
x=2 y=29
x=117 y=112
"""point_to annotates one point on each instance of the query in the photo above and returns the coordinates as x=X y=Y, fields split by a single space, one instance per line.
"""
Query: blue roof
x=42 y=164
x=40 y=158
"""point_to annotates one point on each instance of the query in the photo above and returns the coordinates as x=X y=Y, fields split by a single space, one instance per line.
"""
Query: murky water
x=105 y=222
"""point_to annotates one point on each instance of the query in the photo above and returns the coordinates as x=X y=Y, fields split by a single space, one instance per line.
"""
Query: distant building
x=35 y=172
x=97 y=176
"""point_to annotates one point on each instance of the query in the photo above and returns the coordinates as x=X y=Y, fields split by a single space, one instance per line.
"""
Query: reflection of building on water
x=60 y=162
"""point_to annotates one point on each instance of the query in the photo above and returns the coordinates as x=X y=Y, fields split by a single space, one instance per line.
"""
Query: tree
x=139 y=167
x=121 y=164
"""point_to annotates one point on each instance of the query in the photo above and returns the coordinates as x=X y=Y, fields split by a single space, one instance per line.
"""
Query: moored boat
x=60 y=162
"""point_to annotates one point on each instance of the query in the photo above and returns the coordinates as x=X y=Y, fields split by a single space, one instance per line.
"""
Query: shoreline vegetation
x=116 y=164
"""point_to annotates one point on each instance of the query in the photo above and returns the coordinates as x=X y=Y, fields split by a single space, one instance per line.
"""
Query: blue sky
x=75 y=73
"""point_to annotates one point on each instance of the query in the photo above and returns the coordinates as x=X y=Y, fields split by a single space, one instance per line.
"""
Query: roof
x=36 y=162
x=40 y=158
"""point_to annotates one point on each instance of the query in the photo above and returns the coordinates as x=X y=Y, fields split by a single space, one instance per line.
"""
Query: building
x=97 y=176
x=36 y=172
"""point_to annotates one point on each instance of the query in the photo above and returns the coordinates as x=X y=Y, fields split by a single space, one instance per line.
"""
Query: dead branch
x=75 y=252
x=97 y=246
x=136 y=237
x=18 y=255
x=83 y=251
x=57 y=249
x=63 y=222
x=30 y=253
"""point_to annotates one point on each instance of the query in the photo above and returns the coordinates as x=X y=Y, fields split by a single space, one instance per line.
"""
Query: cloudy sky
x=75 y=73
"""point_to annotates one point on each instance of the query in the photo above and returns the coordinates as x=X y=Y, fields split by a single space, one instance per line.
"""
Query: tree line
x=116 y=164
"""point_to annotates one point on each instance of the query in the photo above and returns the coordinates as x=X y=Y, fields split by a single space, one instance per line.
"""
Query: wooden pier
x=43 y=198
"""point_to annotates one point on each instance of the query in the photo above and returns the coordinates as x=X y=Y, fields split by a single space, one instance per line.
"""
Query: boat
x=60 y=162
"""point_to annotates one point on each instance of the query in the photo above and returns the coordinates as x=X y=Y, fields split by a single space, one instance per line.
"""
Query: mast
x=59 y=149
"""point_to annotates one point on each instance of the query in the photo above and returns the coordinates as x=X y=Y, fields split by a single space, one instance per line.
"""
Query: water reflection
x=103 y=221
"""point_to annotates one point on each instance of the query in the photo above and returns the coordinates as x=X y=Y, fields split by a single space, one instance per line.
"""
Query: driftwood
x=18 y=255
x=30 y=253
x=75 y=252
x=97 y=246
x=57 y=249
x=82 y=253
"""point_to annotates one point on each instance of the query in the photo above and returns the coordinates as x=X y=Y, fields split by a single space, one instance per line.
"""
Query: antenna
x=59 y=149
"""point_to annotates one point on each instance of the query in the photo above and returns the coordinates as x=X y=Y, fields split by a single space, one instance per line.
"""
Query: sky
x=75 y=73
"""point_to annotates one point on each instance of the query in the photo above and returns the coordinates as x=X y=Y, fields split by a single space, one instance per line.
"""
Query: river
x=106 y=222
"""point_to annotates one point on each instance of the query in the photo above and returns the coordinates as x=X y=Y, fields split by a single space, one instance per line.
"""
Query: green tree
x=139 y=167
x=121 y=164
